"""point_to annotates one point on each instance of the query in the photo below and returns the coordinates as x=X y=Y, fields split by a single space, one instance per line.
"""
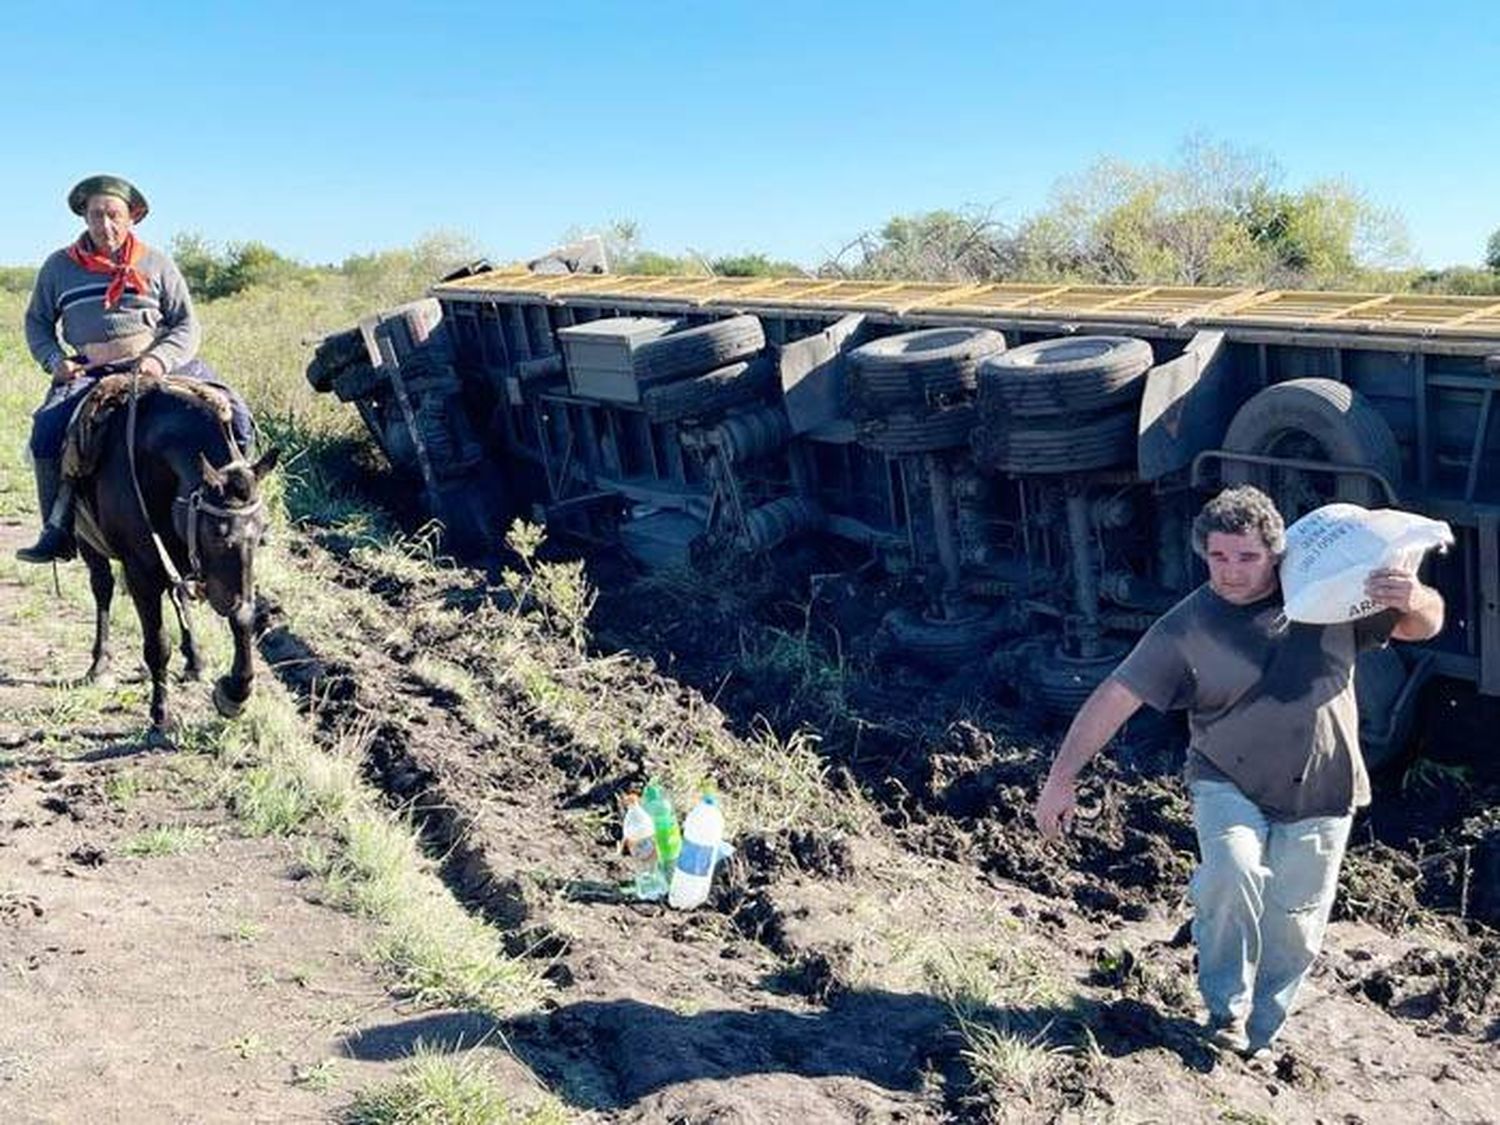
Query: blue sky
x=331 y=129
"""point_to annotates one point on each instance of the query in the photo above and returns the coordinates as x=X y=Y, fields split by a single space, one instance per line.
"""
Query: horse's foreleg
x=102 y=583
x=231 y=691
x=157 y=645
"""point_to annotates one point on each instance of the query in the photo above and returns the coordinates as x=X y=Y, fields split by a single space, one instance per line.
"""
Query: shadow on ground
x=608 y=1055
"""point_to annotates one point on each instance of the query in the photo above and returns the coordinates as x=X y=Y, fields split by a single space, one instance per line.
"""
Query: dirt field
x=891 y=942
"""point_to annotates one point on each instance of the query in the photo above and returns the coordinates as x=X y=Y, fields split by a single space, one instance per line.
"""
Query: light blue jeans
x=1261 y=897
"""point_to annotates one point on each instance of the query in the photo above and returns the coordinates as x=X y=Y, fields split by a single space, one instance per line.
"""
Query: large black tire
x=1068 y=374
x=1058 y=445
x=942 y=428
x=357 y=381
x=1316 y=420
x=1060 y=683
x=333 y=355
x=732 y=385
x=696 y=350
x=946 y=647
x=931 y=366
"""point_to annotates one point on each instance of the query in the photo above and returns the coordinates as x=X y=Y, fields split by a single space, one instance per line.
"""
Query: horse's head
x=224 y=519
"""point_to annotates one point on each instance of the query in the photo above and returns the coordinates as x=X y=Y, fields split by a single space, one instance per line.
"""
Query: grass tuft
x=166 y=839
x=446 y=1089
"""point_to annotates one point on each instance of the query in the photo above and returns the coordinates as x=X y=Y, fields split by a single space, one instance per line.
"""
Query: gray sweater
x=69 y=297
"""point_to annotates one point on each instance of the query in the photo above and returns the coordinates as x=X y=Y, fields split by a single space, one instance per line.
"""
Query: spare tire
x=731 y=385
x=696 y=350
x=1070 y=373
x=942 y=428
x=917 y=368
x=1060 y=682
x=943 y=646
x=1058 y=445
x=1313 y=420
x=334 y=354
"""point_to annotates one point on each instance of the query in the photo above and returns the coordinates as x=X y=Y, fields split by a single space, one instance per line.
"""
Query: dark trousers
x=49 y=424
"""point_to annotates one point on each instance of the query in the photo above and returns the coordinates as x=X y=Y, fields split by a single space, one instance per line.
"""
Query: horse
x=186 y=522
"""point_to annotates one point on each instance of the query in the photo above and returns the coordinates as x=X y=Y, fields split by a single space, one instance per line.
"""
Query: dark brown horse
x=205 y=515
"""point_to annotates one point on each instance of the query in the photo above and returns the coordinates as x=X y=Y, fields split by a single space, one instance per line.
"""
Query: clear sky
x=327 y=129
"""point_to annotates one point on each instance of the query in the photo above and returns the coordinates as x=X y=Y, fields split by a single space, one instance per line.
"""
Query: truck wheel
x=946 y=427
x=917 y=368
x=333 y=355
x=1058 y=445
x=1059 y=376
x=1061 y=682
x=696 y=350
x=731 y=385
x=944 y=646
x=1313 y=420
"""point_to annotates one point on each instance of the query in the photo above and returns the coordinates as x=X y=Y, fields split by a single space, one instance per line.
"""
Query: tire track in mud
x=411 y=728
x=345 y=702
x=960 y=794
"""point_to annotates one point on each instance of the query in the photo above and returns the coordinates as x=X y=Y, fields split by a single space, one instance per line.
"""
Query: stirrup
x=53 y=545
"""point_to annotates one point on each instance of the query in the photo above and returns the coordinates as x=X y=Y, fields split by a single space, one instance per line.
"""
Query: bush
x=212 y=273
x=17 y=279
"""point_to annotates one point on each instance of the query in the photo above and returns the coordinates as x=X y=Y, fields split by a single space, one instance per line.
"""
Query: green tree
x=933 y=245
x=1215 y=217
x=1492 y=253
x=755 y=265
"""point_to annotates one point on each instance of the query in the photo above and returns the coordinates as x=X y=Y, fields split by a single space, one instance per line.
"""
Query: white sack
x=1332 y=550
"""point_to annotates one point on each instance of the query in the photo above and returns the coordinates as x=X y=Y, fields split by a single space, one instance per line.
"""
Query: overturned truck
x=1034 y=452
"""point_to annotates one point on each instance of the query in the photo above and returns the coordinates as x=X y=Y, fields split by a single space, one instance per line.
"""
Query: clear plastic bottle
x=658 y=807
x=702 y=841
x=639 y=840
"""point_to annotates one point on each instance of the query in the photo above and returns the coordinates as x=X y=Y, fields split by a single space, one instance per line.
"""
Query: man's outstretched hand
x=1055 y=807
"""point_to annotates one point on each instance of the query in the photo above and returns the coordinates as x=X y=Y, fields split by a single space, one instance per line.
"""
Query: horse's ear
x=211 y=476
x=266 y=463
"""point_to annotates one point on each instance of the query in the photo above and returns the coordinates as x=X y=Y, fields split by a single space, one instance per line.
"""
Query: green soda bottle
x=668 y=835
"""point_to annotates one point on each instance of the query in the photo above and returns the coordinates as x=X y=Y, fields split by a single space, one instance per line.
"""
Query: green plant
x=446 y=1089
x=166 y=839
x=558 y=591
x=319 y=1077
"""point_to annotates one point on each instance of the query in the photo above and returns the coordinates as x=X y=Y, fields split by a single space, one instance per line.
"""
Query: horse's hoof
x=192 y=673
x=100 y=678
x=224 y=703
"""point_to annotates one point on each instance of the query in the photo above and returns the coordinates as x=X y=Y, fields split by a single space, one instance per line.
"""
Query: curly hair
x=1236 y=511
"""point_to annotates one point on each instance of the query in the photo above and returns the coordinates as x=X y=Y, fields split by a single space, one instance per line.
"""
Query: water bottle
x=639 y=839
x=702 y=837
x=658 y=807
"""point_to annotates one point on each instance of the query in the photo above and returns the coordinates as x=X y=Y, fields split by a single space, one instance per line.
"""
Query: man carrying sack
x=1273 y=766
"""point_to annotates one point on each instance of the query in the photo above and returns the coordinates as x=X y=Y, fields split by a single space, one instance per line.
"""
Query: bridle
x=194 y=507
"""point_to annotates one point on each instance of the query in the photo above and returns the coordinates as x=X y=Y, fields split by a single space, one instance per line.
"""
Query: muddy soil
x=820 y=981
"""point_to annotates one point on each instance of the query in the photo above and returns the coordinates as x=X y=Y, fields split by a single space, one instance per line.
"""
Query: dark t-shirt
x=1270 y=702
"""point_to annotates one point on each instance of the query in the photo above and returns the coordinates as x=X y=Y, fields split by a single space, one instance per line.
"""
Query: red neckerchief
x=121 y=267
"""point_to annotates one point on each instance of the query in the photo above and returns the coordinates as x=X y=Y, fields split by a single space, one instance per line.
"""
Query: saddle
x=84 y=445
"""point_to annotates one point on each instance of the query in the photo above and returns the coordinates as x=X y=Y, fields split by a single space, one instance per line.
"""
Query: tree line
x=1216 y=216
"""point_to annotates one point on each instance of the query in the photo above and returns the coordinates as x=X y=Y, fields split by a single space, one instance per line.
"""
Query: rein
x=182 y=588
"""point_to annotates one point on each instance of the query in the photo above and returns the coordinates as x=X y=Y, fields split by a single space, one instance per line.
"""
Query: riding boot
x=55 y=497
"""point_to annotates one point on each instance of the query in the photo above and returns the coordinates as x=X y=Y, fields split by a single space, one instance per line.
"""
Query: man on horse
x=108 y=302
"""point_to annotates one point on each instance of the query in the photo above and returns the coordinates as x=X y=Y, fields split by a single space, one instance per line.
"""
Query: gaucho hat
x=78 y=198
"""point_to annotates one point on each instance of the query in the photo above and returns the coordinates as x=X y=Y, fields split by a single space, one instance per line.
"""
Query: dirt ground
x=191 y=987
x=898 y=947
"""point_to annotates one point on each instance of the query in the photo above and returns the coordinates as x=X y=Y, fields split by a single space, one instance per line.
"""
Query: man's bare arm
x=1421 y=607
x=1098 y=720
